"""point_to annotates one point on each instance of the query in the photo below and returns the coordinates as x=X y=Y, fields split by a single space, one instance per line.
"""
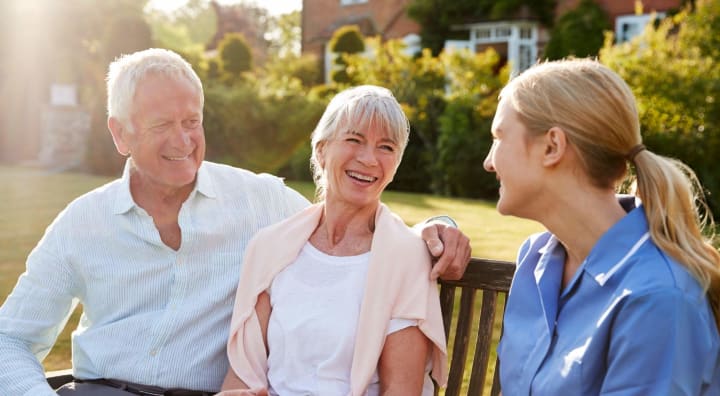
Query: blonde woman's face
x=512 y=158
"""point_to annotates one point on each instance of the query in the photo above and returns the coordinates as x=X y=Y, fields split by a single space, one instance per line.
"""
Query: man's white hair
x=127 y=70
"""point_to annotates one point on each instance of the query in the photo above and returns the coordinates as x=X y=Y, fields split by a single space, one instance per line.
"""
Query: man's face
x=167 y=144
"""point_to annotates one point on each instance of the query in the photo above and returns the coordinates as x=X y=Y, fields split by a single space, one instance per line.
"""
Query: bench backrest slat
x=490 y=279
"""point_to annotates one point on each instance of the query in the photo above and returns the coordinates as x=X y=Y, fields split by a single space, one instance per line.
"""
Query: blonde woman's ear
x=556 y=144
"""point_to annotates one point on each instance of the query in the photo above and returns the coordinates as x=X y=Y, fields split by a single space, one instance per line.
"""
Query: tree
x=674 y=71
x=437 y=17
x=347 y=40
x=579 y=32
x=256 y=125
x=285 y=35
x=246 y=18
x=189 y=28
x=235 y=54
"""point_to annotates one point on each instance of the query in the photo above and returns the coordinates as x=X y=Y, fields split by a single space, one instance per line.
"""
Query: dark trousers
x=84 y=389
x=102 y=387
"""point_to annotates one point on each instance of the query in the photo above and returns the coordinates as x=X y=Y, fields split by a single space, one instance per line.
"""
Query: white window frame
x=351 y=2
x=637 y=24
x=508 y=32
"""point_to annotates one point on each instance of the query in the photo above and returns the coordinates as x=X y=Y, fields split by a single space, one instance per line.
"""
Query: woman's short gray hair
x=127 y=70
x=357 y=108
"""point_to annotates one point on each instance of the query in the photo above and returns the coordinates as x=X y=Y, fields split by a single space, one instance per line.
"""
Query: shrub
x=235 y=54
x=257 y=126
x=674 y=72
x=578 y=32
x=346 y=40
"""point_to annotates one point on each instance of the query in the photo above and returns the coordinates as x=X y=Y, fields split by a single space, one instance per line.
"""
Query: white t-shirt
x=311 y=333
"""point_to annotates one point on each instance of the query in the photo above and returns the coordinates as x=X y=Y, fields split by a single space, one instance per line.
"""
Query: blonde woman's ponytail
x=677 y=216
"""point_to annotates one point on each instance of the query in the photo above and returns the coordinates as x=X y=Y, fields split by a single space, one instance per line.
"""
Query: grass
x=32 y=198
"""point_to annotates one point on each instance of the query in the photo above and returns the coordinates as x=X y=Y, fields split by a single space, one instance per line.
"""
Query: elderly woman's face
x=358 y=165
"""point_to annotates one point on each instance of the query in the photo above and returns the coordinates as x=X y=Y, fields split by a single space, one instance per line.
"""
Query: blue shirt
x=632 y=321
x=151 y=315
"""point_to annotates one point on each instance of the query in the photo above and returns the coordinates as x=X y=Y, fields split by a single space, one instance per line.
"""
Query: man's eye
x=191 y=124
x=161 y=127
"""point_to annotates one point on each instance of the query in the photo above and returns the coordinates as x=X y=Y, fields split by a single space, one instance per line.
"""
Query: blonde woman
x=339 y=299
x=620 y=296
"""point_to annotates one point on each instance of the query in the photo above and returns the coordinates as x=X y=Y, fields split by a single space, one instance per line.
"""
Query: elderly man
x=154 y=256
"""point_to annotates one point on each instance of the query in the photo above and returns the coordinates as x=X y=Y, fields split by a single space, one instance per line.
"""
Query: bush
x=304 y=68
x=235 y=54
x=464 y=142
x=578 y=32
x=256 y=126
x=347 y=40
x=674 y=72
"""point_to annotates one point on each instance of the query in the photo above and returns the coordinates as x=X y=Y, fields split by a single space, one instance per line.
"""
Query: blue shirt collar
x=617 y=246
x=124 y=201
x=612 y=250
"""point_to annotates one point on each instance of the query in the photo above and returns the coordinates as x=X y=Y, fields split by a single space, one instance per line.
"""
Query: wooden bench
x=492 y=278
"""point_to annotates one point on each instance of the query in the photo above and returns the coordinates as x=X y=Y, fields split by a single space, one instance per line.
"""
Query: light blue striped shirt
x=151 y=315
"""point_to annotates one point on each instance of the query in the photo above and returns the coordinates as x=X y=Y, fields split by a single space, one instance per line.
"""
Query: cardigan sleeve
x=245 y=347
x=418 y=298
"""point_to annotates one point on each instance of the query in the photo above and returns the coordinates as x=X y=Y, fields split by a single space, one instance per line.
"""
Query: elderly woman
x=620 y=296
x=338 y=300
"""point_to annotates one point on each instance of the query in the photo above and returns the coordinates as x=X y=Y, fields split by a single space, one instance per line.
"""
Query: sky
x=275 y=7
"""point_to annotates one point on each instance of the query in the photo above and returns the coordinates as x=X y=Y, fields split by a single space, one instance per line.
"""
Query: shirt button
x=153 y=352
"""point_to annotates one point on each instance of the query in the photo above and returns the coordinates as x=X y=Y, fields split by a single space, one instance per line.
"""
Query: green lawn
x=32 y=198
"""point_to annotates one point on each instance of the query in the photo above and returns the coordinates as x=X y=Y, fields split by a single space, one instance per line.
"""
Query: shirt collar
x=124 y=201
x=204 y=183
x=615 y=248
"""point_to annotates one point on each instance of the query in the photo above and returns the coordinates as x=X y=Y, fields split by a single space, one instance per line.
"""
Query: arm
x=31 y=319
x=232 y=382
x=402 y=362
x=448 y=245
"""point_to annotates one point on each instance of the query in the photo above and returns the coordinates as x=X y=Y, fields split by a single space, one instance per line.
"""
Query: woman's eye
x=388 y=148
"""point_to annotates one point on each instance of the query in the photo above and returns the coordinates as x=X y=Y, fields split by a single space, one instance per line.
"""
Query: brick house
x=519 y=39
x=385 y=18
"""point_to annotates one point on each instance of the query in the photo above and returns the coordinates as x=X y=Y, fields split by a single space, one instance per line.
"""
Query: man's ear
x=118 y=132
x=556 y=145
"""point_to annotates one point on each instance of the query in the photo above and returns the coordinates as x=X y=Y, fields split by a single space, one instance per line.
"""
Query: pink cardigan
x=399 y=286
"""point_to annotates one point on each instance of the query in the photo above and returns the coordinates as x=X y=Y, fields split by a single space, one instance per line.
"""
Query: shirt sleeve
x=31 y=319
x=399 y=324
x=295 y=201
x=661 y=345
